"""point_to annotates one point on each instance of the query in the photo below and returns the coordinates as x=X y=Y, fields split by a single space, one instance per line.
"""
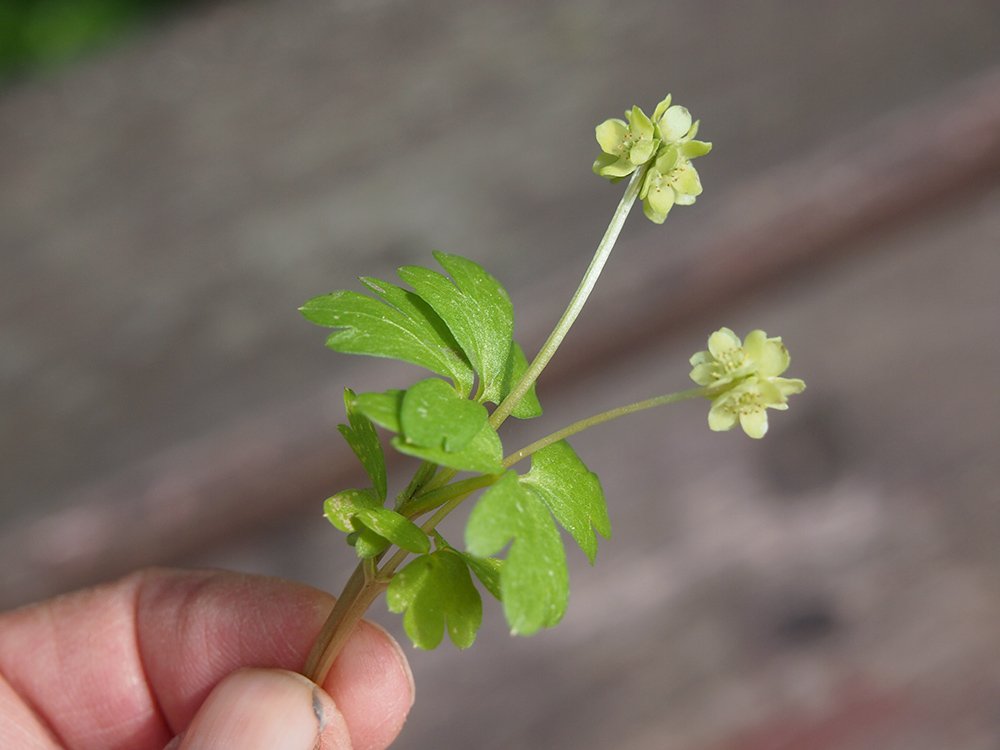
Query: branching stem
x=428 y=491
x=368 y=580
x=576 y=303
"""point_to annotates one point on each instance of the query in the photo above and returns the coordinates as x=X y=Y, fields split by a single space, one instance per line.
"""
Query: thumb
x=265 y=709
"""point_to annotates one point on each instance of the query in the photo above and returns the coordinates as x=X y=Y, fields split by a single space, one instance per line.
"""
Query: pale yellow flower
x=743 y=379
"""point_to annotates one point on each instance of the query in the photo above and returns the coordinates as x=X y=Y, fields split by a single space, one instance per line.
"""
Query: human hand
x=160 y=660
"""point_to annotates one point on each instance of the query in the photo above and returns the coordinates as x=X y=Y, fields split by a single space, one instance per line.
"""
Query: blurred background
x=177 y=177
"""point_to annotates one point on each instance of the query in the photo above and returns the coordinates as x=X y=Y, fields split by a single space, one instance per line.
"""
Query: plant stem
x=430 y=525
x=576 y=303
x=421 y=477
x=433 y=498
x=596 y=419
x=366 y=583
x=359 y=592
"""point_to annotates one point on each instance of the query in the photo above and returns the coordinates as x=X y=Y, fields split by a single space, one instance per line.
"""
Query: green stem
x=576 y=303
x=596 y=419
x=360 y=591
x=432 y=499
x=367 y=582
x=463 y=490
x=421 y=478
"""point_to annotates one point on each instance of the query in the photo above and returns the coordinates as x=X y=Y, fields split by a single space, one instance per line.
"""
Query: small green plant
x=457 y=322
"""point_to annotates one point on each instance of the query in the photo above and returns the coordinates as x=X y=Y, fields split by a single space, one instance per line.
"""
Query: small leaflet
x=361 y=437
x=534 y=584
x=435 y=591
x=572 y=492
x=360 y=511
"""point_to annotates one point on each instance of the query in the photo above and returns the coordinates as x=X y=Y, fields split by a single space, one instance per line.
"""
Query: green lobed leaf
x=572 y=492
x=483 y=454
x=477 y=311
x=534 y=583
x=434 y=415
x=436 y=590
x=528 y=407
x=360 y=511
x=488 y=570
x=399 y=326
x=361 y=437
x=381 y=408
x=367 y=543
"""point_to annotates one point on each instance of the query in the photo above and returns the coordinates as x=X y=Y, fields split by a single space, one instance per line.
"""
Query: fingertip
x=269 y=709
x=372 y=685
x=404 y=663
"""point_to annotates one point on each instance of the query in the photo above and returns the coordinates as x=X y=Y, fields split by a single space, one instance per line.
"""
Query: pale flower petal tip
x=741 y=377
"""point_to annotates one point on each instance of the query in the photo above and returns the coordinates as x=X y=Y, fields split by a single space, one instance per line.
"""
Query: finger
x=19 y=726
x=128 y=664
x=266 y=709
x=198 y=627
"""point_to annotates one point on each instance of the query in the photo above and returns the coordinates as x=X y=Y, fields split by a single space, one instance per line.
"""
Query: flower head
x=665 y=145
x=743 y=379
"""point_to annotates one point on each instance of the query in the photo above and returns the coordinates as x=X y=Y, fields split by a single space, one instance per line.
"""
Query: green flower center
x=627 y=143
x=749 y=402
x=744 y=404
x=661 y=180
x=731 y=361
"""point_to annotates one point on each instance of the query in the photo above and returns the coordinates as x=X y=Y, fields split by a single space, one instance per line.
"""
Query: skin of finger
x=366 y=653
x=128 y=664
x=19 y=726
x=267 y=709
x=73 y=660
x=372 y=688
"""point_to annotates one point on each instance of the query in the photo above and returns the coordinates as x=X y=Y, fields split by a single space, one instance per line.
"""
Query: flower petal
x=675 y=123
x=687 y=181
x=641 y=125
x=651 y=214
x=610 y=135
x=642 y=151
x=661 y=199
x=720 y=416
x=769 y=393
x=700 y=357
x=722 y=341
x=602 y=161
x=667 y=159
x=789 y=386
x=703 y=373
x=754 y=423
x=647 y=182
x=661 y=108
x=618 y=168
x=694 y=149
x=769 y=354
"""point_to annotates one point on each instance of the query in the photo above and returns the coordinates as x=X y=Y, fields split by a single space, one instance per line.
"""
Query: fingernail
x=265 y=709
